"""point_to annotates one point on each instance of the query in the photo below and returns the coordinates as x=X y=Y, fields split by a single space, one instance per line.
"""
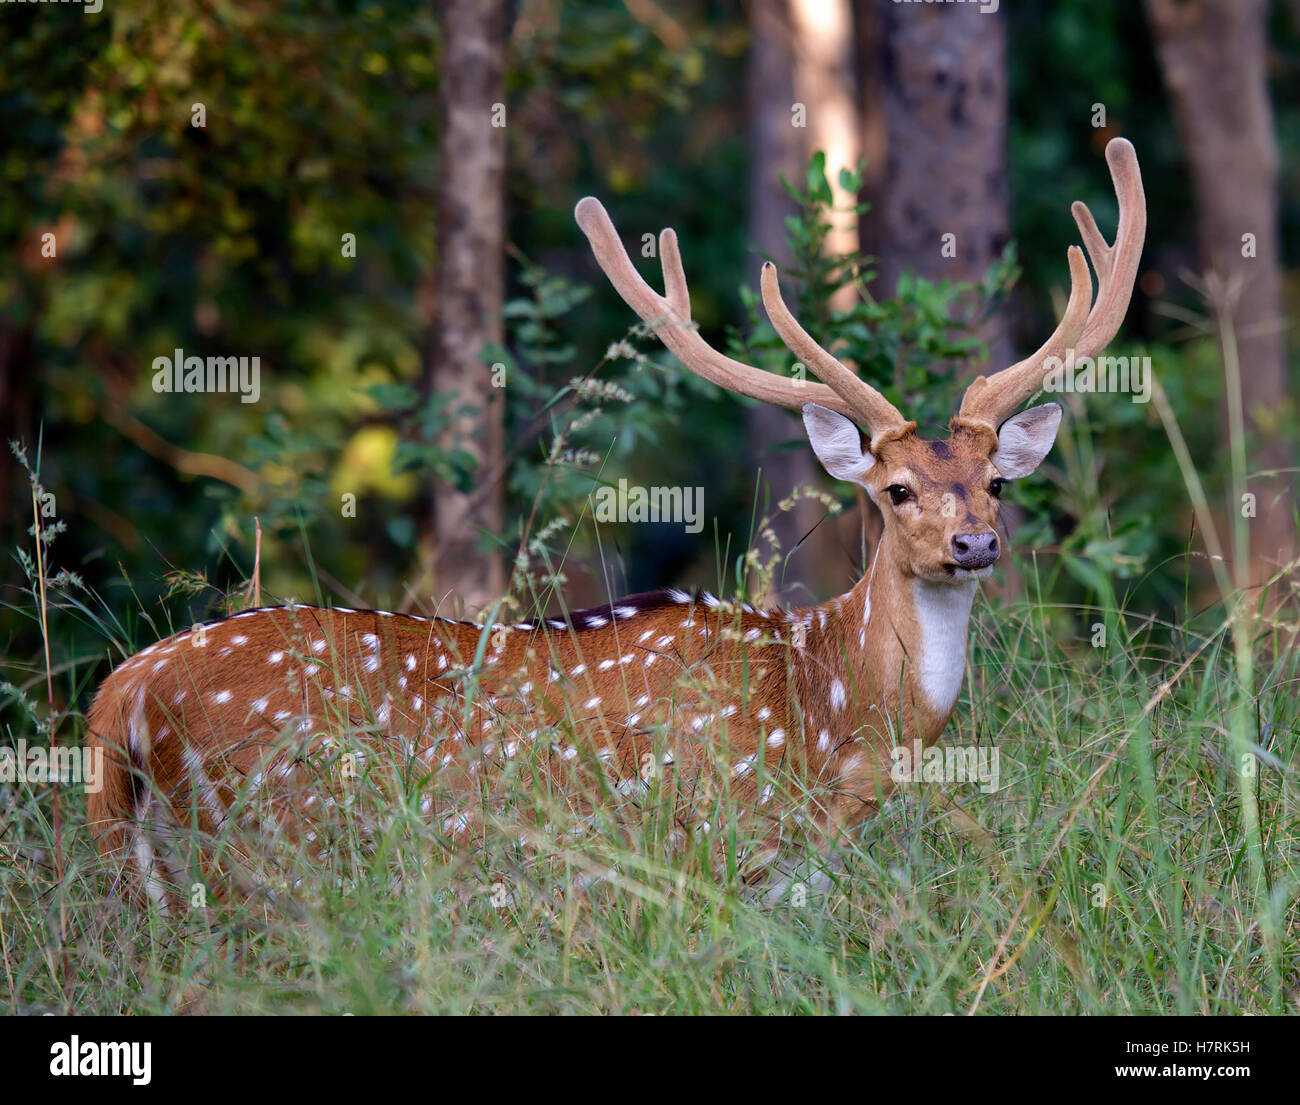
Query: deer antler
x=873 y=410
x=669 y=315
x=991 y=399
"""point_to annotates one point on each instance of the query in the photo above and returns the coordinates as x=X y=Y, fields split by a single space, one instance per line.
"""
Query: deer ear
x=837 y=443
x=1025 y=439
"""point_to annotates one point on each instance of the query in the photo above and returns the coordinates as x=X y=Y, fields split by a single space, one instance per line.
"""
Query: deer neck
x=891 y=653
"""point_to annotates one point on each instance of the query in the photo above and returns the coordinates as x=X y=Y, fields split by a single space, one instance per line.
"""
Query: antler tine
x=990 y=399
x=670 y=260
x=1086 y=327
x=873 y=410
x=670 y=318
x=1116 y=265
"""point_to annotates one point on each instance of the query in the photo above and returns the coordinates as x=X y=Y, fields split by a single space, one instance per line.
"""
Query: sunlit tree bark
x=779 y=148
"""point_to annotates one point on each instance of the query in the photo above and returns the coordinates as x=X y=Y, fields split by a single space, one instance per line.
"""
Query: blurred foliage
x=322 y=122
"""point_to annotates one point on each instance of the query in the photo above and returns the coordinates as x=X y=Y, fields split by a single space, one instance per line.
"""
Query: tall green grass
x=1118 y=869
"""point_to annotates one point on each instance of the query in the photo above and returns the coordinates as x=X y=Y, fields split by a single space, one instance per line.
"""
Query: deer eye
x=996 y=486
x=898 y=493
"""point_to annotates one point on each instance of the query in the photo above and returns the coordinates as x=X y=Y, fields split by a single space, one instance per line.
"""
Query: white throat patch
x=943 y=614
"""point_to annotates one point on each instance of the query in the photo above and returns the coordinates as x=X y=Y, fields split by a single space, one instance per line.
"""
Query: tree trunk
x=945 y=95
x=776 y=150
x=825 y=81
x=1213 y=56
x=470 y=289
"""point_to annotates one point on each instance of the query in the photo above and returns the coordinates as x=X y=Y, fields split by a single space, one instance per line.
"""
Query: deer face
x=939 y=499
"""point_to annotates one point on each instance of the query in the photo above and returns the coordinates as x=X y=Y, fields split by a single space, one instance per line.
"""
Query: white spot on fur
x=455 y=824
x=871 y=578
x=837 y=694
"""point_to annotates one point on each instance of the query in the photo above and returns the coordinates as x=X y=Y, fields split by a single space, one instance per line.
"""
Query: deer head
x=939 y=499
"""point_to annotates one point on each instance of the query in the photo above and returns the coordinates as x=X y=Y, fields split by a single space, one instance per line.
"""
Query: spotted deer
x=773 y=703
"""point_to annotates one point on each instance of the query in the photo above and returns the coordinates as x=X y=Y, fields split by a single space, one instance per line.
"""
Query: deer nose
x=975 y=550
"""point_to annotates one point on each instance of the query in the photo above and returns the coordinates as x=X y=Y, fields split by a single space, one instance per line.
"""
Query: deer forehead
x=955 y=464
